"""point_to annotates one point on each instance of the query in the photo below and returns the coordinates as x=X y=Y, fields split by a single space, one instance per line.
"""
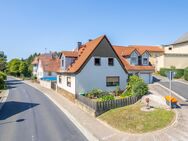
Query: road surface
x=28 y=115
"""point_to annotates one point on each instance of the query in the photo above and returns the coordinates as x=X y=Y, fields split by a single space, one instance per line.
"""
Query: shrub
x=3 y=75
x=164 y=71
x=186 y=74
x=179 y=72
x=95 y=93
x=106 y=98
x=132 y=81
x=2 y=83
x=125 y=94
x=140 y=89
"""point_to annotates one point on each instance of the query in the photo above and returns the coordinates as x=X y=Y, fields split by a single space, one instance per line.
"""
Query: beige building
x=175 y=54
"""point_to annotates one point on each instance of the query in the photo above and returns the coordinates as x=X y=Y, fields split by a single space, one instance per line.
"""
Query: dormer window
x=145 y=61
x=145 y=58
x=134 y=58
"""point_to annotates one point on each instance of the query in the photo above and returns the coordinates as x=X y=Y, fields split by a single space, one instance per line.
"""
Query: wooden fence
x=101 y=107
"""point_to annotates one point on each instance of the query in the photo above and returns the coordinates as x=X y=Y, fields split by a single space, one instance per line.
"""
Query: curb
x=2 y=101
x=176 y=94
x=83 y=130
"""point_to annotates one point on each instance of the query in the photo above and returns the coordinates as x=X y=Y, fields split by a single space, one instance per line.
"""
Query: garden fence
x=103 y=106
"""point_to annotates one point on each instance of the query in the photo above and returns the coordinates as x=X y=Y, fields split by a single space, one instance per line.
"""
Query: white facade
x=41 y=73
x=95 y=76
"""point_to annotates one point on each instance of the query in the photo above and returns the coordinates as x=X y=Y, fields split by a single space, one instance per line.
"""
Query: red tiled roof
x=121 y=51
x=83 y=53
x=70 y=53
x=140 y=49
x=48 y=63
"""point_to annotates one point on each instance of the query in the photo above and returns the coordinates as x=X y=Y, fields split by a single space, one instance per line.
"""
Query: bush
x=96 y=93
x=106 y=98
x=164 y=71
x=3 y=75
x=140 y=89
x=186 y=74
x=179 y=72
x=125 y=94
x=2 y=83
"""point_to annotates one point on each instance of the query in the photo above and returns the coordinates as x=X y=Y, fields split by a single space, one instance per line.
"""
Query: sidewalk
x=3 y=97
x=94 y=129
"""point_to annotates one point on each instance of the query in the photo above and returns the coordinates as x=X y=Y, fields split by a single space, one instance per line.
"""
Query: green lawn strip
x=132 y=119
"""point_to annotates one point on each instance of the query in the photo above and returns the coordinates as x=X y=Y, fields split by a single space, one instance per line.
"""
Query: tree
x=23 y=68
x=13 y=67
x=3 y=61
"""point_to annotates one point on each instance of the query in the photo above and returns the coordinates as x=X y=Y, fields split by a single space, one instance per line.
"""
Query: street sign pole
x=170 y=85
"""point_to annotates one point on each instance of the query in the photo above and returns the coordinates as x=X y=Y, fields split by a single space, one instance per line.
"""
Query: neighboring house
x=175 y=54
x=46 y=66
x=98 y=64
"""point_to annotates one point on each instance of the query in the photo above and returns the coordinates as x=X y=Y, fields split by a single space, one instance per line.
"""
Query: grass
x=132 y=119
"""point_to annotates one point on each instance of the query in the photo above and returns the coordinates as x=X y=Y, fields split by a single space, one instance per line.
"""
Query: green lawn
x=132 y=119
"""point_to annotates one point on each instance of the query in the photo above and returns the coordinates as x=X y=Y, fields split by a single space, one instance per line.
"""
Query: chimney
x=79 y=44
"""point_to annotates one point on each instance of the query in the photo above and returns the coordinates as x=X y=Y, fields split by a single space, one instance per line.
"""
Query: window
x=97 y=61
x=112 y=81
x=60 y=81
x=49 y=73
x=110 y=61
x=169 y=48
x=133 y=60
x=145 y=61
x=62 y=63
x=69 y=81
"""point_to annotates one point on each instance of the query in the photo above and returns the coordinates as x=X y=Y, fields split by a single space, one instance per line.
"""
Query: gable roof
x=140 y=49
x=48 y=62
x=83 y=54
x=120 y=50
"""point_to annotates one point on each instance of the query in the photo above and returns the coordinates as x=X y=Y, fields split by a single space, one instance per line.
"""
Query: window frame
x=112 y=63
x=113 y=84
x=68 y=82
x=99 y=61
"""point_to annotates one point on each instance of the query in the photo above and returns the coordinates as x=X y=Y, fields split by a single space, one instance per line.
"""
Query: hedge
x=179 y=72
x=3 y=75
x=2 y=83
x=186 y=74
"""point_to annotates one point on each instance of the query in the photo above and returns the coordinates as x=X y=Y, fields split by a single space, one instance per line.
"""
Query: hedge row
x=3 y=77
x=186 y=74
x=179 y=72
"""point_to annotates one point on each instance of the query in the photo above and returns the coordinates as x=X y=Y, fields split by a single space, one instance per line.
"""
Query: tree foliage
x=3 y=61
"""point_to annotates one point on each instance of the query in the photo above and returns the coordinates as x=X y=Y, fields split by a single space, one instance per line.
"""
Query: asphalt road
x=178 y=87
x=28 y=115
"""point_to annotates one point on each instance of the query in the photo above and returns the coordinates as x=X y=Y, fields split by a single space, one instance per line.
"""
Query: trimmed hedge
x=186 y=74
x=179 y=72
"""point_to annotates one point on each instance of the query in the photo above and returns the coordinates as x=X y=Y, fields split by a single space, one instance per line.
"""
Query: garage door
x=145 y=77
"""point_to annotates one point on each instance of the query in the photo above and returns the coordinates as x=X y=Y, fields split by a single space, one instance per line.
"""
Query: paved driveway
x=178 y=87
x=28 y=115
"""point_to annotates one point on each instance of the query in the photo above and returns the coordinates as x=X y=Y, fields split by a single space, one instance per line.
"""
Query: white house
x=46 y=66
x=98 y=64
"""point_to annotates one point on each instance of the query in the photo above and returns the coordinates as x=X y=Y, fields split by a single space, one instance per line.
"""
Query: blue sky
x=28 y=26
